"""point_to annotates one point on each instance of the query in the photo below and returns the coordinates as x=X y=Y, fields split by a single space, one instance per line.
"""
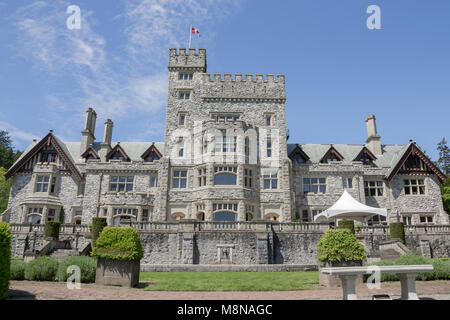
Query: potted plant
x=118 y=251
x=338 y=248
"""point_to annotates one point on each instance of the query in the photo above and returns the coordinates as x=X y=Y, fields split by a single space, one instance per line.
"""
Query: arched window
x=177 y=216
x=225 y=175
x=272 y=217
x=224 y=216
x=34 y=218
x=124 y=215
x=248 y=216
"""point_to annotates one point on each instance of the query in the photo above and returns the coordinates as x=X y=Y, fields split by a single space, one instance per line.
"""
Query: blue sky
x=337 y=70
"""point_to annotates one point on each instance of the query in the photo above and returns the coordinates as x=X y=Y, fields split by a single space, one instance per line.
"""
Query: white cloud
x=16 y=133
x=115 y=83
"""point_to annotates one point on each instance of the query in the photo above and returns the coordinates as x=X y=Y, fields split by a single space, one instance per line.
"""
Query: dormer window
x=117 y=153
x=366 y=157
x=332 y=155
x=151 y=154
x=298 y=155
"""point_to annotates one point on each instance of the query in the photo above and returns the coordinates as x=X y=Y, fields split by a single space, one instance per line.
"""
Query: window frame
x=409 y=186
x=312 y=185
x=179 y=178
x=125 y=183
x=376 y=187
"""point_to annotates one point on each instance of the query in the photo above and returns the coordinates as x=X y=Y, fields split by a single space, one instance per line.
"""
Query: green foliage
x=5 y=187
x=61 y=215
x=446 y=196
x=441 y=267
x=347 y=224
x=397 y=231
x=86 y=264
x=120 y=243
x=17 y=269
x=7 y=154
x=340 y=245
x=297 y=216
x=52 y=229
x=5 y=259
x=41 y=269
x=444 y=156
x=97 y=226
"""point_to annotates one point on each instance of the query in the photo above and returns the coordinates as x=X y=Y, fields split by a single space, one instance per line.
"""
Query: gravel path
x=53 y=290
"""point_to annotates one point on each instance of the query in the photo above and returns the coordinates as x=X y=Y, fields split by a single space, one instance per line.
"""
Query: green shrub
x=5 y=259
x=414 y=259
x=17 y=269
x=397 y=231
x=97 y=226
x=384 y=276
x=86 y=264
x=441 y=270
x=339 y=245
x=61 y=215
x=41 y=269
x=52 y=229
x=347 y=224
x=121 y=243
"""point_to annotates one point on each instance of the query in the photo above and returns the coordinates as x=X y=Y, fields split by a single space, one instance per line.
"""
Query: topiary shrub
x=347 y=224
x=86 y=264
x=17 y=269
x=5 y=259
x=97 y=226
x=120 y=243
x=41 y=269
x=339 y=245
x=397 y=231
x=52 y=229
x=61 y=215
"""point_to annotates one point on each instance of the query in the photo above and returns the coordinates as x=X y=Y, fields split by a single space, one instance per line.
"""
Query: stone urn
x=112 y=272
x=333 y=281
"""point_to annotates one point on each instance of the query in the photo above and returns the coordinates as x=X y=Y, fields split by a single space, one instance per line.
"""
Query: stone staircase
x=392 y=249
x=61 y=254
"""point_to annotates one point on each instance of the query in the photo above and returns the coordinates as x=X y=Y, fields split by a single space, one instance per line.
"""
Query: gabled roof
x=90 y=151
x=60 y=148
x=298 y=150
x=412 y=150
x=367 y=152
x=151 y=149
x=116 y=149
x=332 y=151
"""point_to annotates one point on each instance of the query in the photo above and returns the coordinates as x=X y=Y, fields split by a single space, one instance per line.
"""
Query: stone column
x=408 y=282
x=23 y=218
x=110 y=216
x=44 y=215
x=139 y=215
x=348 y=287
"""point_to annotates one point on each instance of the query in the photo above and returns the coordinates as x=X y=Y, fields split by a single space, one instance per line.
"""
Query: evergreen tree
x=444 y=157
x=7 y=154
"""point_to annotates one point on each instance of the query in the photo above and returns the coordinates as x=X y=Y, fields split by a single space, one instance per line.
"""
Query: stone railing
x=303 y=227
x=363 y=230
x=427 y=229
x=65 y=228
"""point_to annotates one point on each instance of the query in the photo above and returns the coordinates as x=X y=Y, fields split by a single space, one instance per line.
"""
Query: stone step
x=61 y=254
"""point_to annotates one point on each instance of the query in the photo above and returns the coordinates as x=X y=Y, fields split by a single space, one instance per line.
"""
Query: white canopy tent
x=348 y=207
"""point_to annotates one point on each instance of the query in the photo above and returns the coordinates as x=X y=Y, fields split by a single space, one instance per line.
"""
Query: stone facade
x=225 y=157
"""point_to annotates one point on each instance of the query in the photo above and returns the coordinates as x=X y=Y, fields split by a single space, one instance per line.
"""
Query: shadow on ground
x=20 y=295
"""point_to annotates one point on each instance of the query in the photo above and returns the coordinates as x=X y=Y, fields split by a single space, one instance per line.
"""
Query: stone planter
x=333 y=281
x=124 y=273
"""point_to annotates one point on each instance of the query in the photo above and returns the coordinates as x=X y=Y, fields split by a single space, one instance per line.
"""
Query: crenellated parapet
x=248 y=88
x=187 y=60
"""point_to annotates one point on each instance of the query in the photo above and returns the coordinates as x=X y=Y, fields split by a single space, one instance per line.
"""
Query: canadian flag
x=195 y=31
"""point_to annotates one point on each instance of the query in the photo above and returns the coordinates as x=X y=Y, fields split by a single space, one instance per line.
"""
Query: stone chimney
x=105 y=146
x=373 y=139
x=87 y=135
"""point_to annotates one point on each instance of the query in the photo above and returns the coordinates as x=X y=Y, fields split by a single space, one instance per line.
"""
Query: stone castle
x=225 y=163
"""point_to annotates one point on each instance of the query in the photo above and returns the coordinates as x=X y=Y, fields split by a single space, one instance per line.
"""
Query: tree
x=5 y=187
x=444 y=157
x=7 y=154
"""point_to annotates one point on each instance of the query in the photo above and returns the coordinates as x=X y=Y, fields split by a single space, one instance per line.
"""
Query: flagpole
x=190 y=36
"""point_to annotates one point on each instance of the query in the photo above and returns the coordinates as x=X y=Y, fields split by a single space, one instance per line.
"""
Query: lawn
x=229 y=281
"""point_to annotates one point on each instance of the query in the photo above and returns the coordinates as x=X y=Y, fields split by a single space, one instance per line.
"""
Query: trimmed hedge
x=52 y=229
x=5 y=259
x=97 y=226
x=87 y=265
x=41 y=269
x=17 y=269
x=61 y=215
x=339 y=245
x=397 y=231
x=441 y=267
x=120 y=243
x=347 y=224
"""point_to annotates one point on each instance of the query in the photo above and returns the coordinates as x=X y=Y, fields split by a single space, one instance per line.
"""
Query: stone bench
x=406 y=274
